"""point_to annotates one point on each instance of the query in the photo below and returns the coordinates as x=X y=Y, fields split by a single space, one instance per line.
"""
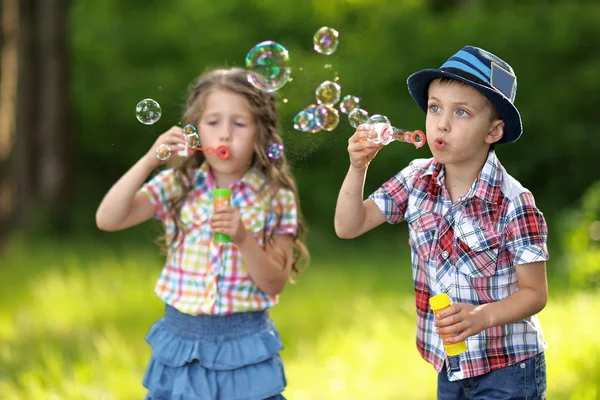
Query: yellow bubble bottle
x=438 y=303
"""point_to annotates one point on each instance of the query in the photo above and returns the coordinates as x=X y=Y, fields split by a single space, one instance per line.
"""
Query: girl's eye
x=434 y=108
x=462 y=113
x=212 y=122
x=240 y=124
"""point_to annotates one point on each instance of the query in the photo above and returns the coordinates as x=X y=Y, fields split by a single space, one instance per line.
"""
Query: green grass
x=73 y=316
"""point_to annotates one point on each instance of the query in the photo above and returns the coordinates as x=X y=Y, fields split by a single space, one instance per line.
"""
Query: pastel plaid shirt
x=468 y=250
x=204 y=277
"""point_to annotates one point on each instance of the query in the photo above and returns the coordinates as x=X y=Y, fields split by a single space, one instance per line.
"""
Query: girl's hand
x=227 y=220
x=361 y=150
x=172 y=138
x=461 y=319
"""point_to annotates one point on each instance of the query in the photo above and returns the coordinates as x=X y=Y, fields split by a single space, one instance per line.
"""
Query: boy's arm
x=526 y=234
x=353 y=216
x=530 y=299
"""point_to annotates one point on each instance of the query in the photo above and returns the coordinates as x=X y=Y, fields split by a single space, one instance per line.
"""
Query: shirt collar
x=253 y=178
x=486 y=186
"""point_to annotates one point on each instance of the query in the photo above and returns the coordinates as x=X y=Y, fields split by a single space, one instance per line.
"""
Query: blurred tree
x=9 y=32
x=36 y=172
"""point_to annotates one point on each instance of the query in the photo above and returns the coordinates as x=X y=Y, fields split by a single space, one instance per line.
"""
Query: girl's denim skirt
x=213 y=357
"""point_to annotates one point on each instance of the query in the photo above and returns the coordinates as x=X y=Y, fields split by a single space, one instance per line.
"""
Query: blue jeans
x=524 y=380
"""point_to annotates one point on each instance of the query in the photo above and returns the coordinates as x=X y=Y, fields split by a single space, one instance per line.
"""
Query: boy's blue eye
x=434 y=108
x=462 y=113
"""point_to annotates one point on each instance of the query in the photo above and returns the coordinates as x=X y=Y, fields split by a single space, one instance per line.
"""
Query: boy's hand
x=361 y=150
x=462 y=319
x=227 y=220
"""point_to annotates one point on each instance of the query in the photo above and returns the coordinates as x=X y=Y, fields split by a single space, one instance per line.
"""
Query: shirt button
x=455 y=244
x=445 y=254
x=522 y=365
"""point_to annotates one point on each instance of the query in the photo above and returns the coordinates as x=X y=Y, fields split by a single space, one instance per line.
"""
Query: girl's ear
x=496 y=131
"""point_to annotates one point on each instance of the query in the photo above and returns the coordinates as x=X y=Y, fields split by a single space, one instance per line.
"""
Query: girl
x=216 y=340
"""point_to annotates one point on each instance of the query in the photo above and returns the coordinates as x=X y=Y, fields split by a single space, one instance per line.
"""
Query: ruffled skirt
x=233 y=357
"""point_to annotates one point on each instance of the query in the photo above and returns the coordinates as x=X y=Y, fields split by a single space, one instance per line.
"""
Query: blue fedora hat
x=489 y=74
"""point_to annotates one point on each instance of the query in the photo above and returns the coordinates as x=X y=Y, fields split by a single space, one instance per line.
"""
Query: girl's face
x=228 y=120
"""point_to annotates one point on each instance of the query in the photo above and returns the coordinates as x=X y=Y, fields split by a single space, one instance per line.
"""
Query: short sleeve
x=159 y=190
x=392 y=196
x=285 y=205
x=526 y=232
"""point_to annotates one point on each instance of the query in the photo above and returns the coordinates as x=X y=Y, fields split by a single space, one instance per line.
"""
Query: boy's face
x=461 y=123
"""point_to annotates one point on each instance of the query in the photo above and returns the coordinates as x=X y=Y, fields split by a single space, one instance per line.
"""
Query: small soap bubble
x=326 y=40
x=192 y=140
x=377 y=119
x=148 y=111
x=357 y=116
x=285 y=100
x=328 y=93
x=349 y=103
x=311 y=119
x=268 y=65
x=275 y=151
x=189 y=129
x=163 y=152
x=327 y=66
x=332 y=117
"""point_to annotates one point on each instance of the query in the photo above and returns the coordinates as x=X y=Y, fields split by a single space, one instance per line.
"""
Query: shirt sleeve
x=392 y=196
x=285 y=205
x=159 y=190
x=526 y=232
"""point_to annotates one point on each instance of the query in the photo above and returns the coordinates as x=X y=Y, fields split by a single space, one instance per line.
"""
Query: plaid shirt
x=468 y=250
x=204 y=277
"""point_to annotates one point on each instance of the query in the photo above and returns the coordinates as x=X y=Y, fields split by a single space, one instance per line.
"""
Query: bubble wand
x=383 y=132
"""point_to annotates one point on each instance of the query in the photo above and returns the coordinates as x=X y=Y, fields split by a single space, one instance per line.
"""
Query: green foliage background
x=73 y=311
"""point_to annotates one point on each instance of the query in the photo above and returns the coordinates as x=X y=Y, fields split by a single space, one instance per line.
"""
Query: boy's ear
x=496 y=131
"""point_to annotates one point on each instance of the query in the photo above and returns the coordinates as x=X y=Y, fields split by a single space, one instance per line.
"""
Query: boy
x=475 y=232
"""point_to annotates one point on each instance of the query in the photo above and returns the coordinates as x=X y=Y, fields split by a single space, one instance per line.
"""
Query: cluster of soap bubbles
x=268 y=69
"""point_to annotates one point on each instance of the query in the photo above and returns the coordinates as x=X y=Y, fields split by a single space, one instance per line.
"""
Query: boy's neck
x=460 y=177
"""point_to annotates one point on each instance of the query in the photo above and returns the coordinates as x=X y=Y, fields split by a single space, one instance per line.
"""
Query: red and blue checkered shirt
x=468 y=250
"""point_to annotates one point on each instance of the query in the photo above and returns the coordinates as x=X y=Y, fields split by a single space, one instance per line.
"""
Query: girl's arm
x=124 y=205
x=269 y=268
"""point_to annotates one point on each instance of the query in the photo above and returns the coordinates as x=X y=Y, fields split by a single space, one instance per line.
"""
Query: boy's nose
x=444 y=122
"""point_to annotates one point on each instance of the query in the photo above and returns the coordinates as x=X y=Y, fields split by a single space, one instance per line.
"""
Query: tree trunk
x=53 y=132
x=9 y=24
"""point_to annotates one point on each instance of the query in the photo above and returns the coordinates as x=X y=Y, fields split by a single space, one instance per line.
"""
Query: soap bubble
x=332 y=117
x=377 y=119
x=357 y=116
x=268 y=66
x=148 y=111
x=163 y=152
x=326 y=40
x=311 y=119
x=328 y=92
x=189 y=129
x=275 y=151
x=349 y=103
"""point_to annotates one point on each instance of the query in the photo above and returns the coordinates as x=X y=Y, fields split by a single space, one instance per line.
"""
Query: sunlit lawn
x=73 y=316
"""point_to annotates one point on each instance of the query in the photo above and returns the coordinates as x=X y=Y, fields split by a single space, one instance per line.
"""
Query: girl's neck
x=226 y=179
